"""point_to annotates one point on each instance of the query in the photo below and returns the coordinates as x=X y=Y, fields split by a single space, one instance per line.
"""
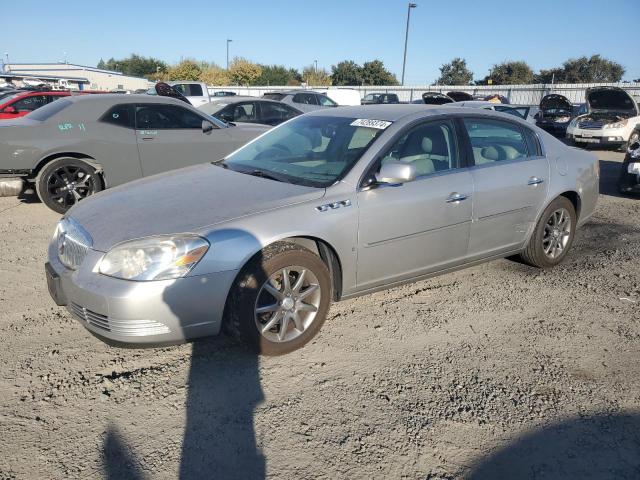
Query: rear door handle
x=456 y=197
x=535 y=181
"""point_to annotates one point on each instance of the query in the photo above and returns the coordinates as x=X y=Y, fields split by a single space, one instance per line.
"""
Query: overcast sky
x=295 y=33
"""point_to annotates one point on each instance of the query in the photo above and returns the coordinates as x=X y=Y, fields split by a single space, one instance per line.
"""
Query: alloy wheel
x=557 y=232
x=287 y=304
x=69 y=184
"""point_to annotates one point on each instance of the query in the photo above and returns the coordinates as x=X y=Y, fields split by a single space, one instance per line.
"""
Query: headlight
x=634 y=168
x=154 y=258
x=620 y=124
x=562 y=119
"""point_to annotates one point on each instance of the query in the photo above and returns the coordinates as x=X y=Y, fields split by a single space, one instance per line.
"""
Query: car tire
x=252 y=308
x=60 y=184
x=553 y=235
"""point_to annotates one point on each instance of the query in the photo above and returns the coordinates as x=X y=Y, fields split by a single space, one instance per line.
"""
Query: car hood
x=185 y=200
x=610 y=98
x=554 y=101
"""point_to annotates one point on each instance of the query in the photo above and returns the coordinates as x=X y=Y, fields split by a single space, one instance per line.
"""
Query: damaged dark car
x=629 y=181
x=556 y=111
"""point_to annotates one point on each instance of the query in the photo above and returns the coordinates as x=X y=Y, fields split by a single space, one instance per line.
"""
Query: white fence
x=517 y=94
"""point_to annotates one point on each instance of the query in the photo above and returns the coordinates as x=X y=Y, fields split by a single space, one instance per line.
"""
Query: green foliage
x=185 y=70
x=510 y=73
x=244 y=72
x=374 y=73
x=313 y=77
x=346 y=72
x=593 y=69
x=135 y=65
x=278 y=75
x=455 y=73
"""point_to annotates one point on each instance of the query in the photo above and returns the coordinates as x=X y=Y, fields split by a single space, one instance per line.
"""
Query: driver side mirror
x=396 y=173
x=9 y=110
x=207 y=126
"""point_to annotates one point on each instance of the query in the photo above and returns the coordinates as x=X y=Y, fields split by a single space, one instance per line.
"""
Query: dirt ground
x=498 y=371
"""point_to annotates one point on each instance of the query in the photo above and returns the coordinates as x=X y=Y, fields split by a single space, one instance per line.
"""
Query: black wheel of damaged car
x=280 y=299
x=65 y=181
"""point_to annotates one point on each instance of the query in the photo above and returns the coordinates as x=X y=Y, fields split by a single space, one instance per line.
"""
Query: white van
x=342 y=96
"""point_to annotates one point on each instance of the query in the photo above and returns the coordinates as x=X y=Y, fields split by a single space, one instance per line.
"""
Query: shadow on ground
x=598 y=447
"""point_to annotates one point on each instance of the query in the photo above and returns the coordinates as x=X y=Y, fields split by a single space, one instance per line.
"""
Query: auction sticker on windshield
x=366 y=122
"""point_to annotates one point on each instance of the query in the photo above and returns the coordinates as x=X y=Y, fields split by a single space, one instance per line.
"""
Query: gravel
x=498 y=371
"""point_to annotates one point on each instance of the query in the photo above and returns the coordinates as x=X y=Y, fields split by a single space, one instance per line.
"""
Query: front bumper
x=131 y=313
x=554 y=128
x=596 y=137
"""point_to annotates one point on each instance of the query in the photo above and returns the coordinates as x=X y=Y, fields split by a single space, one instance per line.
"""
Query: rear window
x=49 y=110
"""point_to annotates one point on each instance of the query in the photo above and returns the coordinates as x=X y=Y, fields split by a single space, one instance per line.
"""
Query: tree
x=278 y=75
x=455 y=73
x=553 y=75
x=593 y=69
x=243 y=72
x=510 y=73
x=316 y=77
x=346 y=72
x=215 y=75
x=185 y=70
x=135 y=65
x=374 y=73
x=101 y=65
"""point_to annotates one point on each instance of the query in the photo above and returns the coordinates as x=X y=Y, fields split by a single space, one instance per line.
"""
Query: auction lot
x=498 y=371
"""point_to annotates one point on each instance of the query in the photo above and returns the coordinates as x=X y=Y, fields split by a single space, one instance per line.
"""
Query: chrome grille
x=126 y=328
x=591 y=124
x=73 y=243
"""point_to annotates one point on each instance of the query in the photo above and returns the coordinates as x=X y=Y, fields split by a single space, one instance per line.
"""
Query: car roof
x=116 y=98
x=408 y=111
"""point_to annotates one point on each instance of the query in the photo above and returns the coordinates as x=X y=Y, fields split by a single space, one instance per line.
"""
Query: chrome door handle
x=456 y=197
x=535 y=181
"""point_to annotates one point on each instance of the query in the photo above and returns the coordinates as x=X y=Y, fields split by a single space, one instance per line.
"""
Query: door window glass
x=29 y=104
x=189 y=89
x=244 y=112
x=273 y=113
x=305 y=98
x=120 y=115
x=326 y=101
x=429 y=147
x=152 y=117
x=495 y=140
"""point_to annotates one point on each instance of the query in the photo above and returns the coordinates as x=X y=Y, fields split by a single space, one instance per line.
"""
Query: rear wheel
x=280 y=299
x=553 y=235
x=64 y=182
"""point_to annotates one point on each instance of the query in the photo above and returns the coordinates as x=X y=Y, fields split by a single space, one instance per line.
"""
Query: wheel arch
x=77 y=155
x=574 y=198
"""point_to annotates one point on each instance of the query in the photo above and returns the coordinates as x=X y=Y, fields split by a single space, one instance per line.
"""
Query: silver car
x=79 y=145
x=327 y=206
x=304 y=100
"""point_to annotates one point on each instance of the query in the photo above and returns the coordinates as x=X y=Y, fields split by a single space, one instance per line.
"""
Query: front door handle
x=535 y=181
x=456 y=197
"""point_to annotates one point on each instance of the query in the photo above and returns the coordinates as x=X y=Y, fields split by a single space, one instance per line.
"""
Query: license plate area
x=53 y=284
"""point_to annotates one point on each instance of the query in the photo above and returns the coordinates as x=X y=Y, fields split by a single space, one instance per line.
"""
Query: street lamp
x=316 y=66
x=406 y=39
x=228 y=42
x=8 y=68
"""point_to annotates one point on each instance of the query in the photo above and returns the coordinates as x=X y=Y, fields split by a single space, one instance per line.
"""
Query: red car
x=24 y=102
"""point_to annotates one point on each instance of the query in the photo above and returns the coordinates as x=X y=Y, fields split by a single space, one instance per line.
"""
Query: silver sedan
x=327 y=206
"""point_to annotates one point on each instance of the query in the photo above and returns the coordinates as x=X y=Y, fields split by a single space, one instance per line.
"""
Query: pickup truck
x=196 y=92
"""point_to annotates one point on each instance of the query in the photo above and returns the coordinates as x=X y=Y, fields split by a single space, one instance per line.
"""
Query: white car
x=611 y=118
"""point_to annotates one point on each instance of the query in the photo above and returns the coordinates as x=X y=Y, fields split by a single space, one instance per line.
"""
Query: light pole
x=228 y=42
x=8 y=68
x=315 y=62
x=406 y=39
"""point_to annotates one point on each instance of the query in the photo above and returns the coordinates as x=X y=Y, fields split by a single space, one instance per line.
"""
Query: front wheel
x=553 y=235
x=280 y=299
x=64 y=182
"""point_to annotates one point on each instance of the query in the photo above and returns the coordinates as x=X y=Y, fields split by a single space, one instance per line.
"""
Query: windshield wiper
x=267 y=175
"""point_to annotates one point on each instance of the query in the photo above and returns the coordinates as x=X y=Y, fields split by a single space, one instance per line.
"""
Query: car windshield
x=49 y=110
x=314 y=151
